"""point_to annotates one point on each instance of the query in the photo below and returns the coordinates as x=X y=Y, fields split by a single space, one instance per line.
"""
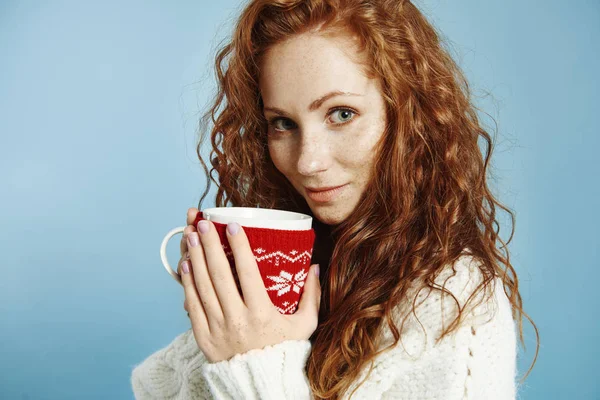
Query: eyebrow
x=316 y=103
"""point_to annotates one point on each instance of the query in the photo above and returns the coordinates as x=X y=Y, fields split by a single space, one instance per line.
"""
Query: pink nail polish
x=233 y=228
x=193 y=239
x=202 y=226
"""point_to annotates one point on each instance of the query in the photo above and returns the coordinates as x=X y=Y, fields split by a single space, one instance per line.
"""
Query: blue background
x=99 y=104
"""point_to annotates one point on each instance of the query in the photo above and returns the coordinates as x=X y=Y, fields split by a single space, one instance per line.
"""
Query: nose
x=314 y=155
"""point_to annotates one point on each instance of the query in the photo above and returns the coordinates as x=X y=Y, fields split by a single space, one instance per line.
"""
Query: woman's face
x=321 y=143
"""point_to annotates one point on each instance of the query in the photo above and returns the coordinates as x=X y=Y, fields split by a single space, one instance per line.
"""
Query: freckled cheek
x=357 y=151
x=358 y=155
x=281 y=156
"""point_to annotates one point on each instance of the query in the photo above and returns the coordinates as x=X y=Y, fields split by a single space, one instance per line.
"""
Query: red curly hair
x=428 y=199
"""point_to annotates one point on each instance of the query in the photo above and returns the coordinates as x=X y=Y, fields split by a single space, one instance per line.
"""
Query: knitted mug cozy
x=283 y=258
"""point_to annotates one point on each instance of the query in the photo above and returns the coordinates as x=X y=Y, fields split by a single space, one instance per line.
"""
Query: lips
x=325 y=194
x=322 y=189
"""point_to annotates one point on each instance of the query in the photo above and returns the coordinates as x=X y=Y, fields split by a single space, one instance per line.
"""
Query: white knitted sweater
x=477 y=361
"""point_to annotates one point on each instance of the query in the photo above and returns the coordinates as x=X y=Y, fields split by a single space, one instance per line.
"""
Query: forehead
x=309 y=65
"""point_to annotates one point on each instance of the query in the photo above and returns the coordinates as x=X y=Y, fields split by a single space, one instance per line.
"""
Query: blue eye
x=342 y=112
x=274 y=122
x=346 y=115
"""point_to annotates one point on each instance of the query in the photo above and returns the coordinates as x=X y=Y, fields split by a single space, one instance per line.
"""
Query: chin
x=329 y=215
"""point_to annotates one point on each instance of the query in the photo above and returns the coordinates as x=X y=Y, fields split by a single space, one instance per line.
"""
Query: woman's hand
x=183 y=248
x=224 y=323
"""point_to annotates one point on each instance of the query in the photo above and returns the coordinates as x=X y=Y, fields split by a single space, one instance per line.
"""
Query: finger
x=185 y=256
x=191 y=215
x=219 y=269
x=185 y=307
x=203 y=282
x=251 y=282
x=310 y=300
x=183 y=247
x=180 y=272
x=192 y=301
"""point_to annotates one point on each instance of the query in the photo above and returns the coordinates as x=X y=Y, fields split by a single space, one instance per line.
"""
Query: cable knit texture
x=477 y=361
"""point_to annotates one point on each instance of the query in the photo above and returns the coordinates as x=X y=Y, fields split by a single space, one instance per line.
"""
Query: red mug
x=282 y=255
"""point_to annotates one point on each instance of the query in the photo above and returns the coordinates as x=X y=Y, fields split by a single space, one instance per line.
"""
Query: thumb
x=310 y=302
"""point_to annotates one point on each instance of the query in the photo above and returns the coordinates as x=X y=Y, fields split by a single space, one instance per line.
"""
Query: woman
x=415 y=301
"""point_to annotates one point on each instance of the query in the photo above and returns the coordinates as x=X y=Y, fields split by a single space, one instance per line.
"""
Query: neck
x=323 y=247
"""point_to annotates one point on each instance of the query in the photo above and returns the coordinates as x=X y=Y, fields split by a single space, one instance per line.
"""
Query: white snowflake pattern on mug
x=285 y=282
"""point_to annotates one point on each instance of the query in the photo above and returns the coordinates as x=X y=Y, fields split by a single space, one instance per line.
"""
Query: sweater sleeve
x=171 y=372
x=273 y=372
x=181 y=371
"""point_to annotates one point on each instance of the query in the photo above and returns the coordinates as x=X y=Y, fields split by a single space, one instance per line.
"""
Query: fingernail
x=185 y=267
x=317 y=269
x=203 y=226
x=193 y=239
x=233 y=228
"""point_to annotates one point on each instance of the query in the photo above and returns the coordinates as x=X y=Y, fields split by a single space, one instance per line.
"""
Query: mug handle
x=163 y=253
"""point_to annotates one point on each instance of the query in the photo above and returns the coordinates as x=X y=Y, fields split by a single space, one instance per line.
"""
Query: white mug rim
x=296 y=221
